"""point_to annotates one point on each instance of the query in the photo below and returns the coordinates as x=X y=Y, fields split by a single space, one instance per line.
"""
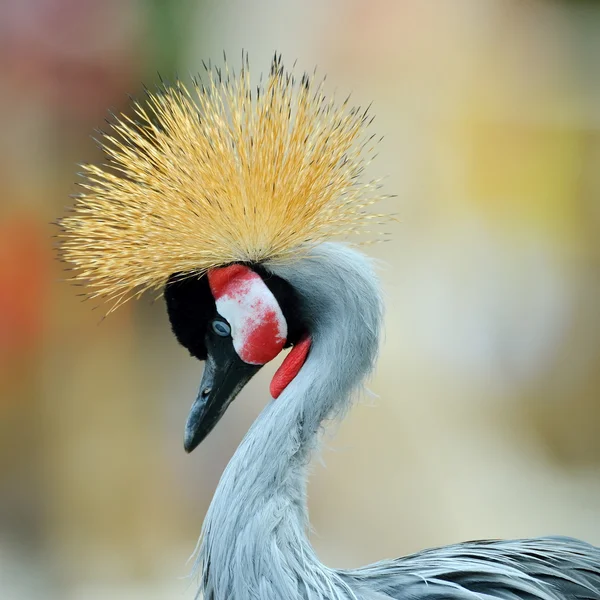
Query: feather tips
x=202 y=177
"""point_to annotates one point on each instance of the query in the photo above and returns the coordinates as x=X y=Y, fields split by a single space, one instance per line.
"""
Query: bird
x=240 y=204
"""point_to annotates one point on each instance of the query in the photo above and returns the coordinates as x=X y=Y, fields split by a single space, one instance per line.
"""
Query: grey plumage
x=552 y=568
x=254 y=543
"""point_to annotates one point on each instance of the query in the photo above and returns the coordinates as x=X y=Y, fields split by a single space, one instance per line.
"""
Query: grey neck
x=254 y=542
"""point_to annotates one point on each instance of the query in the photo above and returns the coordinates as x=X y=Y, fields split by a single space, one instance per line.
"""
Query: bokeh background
x=485 y=414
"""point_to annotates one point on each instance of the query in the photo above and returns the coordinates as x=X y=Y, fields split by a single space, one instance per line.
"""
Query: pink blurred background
x=485 y=414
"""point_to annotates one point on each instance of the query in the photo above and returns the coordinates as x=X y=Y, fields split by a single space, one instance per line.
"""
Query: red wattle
x=290 y=366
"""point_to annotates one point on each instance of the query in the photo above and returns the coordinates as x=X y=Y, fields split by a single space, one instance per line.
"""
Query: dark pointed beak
x=225 y=374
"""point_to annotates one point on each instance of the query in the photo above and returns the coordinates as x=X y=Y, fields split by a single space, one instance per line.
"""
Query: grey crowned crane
x=225 y=196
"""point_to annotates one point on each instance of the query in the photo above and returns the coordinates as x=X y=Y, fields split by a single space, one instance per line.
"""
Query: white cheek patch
x=258 y=327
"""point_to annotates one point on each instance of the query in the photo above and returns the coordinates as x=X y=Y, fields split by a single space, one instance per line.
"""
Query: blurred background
x=485 y=414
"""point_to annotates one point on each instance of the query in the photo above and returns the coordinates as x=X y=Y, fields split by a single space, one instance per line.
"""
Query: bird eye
x=221 y=328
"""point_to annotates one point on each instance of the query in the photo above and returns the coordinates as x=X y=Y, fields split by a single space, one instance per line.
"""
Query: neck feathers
x=341 y=303
x=254 y=540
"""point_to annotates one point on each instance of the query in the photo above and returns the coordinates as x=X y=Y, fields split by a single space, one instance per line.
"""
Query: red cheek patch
x=229 y=281
x=290 y=366
x=258 y=327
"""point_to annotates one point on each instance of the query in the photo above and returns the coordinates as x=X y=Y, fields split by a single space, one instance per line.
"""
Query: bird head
x=202 y=189
x=237 y=318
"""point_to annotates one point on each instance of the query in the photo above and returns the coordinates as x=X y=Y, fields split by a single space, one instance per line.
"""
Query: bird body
x=254 y=531
x=254 y=542
x=229 y=203
x=548 y=568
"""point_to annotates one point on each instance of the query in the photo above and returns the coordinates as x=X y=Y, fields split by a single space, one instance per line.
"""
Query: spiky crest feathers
x=202 y=177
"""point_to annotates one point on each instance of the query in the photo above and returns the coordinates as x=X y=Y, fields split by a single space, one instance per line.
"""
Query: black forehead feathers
x=191 y=307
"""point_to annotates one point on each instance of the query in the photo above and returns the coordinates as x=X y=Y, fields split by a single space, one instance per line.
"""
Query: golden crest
x=217 y=173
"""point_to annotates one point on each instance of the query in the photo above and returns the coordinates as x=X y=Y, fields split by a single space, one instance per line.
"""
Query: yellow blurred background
x=485 y=414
